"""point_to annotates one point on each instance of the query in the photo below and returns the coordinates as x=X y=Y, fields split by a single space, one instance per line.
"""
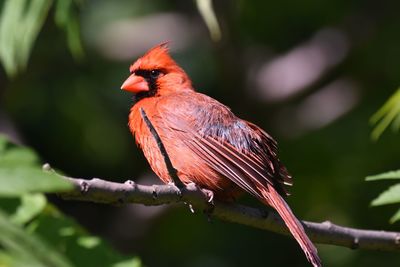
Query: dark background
x=310 y=72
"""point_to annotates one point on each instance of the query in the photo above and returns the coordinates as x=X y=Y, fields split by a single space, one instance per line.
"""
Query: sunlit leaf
x=384 y=176
x=129 y=263
x=22 y=180
x=67 y=231
x=31 y=206
x=12 y=259
x=7 y=260
x=67 y=19
x=81 y=248
x=62 y=11
x=207 y=12
x=18 y=156
x=390 y=196
x=20 y=172
x=387 y=114
x=10 y=15
x=32 y=22
x=27 y=247
x=20 y=24
x=89 y=241
x=395 y=217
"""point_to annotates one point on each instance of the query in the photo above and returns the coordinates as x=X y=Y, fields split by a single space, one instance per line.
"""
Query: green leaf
x=34 y=18
x=390 y=196
x=45 y=227
x=129 y=263
x=21 y=174
x=15 y=181
x=10 y=205
x=384 y=176
x=18 y=156
x=26 y=247
x=15 y=155
x=8 y=27
x=388 y=113
x=207 y=12
x=81 y=248
x=3 y=144
x=66 y=17
x=20 y=23
x=9 y=259
x=89 y=241
x=31 y=206
x=395 y=217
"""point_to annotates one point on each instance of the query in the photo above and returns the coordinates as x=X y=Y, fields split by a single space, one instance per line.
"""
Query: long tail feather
x=273 y=199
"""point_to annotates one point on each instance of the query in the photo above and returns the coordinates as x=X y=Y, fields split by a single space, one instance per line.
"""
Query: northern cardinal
x=206 y=143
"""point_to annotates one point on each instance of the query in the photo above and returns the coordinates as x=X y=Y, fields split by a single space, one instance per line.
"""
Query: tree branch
x=101 y=191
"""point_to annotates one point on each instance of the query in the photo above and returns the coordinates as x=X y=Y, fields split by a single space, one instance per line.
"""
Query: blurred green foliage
x=20 y=24
x=20 y=173
x=16 y=164
x=390 y=195
x=207 y=12
x=387 y=114
x=32 y=231
x=73 y=114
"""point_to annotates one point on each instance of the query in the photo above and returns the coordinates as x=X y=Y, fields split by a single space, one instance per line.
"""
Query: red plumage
x=207 y=144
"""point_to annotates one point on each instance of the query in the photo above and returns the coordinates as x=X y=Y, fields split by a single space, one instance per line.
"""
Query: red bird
x=207 y=144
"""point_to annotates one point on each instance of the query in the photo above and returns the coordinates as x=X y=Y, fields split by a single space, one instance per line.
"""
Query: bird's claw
x=179 y=189
x=209 y=195
x=210 y=203
x=191 y=208
x=206 y=192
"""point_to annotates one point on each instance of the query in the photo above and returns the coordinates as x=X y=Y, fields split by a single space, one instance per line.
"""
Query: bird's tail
x=273 y=199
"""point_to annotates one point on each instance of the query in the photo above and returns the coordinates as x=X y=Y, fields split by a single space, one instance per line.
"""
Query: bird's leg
x=208 y=194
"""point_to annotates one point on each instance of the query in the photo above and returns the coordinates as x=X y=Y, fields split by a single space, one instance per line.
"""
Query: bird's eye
x=155 y=73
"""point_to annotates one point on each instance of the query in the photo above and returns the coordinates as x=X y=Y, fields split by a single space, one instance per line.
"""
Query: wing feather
x=223 y=165
x=236 y=149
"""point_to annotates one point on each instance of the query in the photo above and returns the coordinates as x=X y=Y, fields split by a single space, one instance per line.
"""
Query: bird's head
x=156 y=74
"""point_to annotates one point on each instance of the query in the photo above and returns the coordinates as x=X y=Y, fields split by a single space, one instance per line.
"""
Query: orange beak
x=135 y=84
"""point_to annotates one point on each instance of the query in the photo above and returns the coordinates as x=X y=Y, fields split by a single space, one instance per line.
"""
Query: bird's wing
x=236 y=149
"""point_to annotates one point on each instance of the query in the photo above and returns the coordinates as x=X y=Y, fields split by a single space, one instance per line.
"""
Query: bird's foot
x=210 y=202
x=176 y=188
x=209 y=195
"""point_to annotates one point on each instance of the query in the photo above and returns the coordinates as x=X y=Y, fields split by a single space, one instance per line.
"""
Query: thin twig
x=171 y=170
